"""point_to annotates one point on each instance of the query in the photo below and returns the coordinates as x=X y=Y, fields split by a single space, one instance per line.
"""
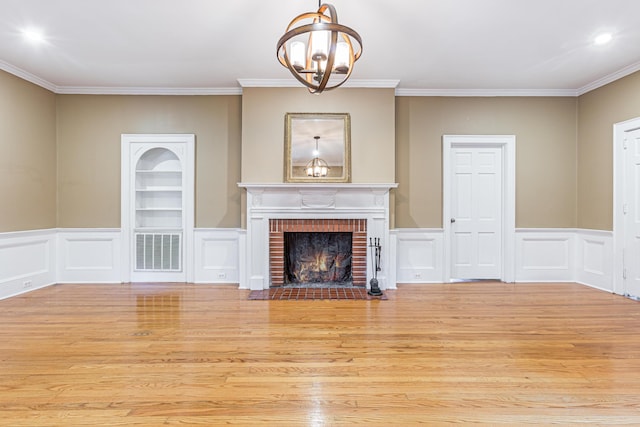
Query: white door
x=631 y=269
x=476 y=212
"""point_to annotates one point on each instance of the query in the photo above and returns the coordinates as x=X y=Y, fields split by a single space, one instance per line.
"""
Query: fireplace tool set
x=374 y=245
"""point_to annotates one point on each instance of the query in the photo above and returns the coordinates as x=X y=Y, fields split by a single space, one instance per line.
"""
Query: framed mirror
x=317 y=147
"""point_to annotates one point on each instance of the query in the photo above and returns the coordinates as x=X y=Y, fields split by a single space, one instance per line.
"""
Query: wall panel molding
x=89 y=255
x=542 y=255
x=545 y=255
x=27 y=261
x=217 y=255
x=419 y=255
x=594 y=259
x=35 y=259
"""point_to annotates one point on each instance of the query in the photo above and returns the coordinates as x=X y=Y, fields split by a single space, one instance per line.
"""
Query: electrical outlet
x=418 y=276
x=222 y=275
x=26 y=284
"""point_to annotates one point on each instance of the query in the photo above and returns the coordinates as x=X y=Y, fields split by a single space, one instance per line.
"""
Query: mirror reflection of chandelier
x=317 y=167
x=318 y=51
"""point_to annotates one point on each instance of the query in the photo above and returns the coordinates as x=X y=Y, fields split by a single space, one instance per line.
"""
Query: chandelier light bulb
x=297 y=55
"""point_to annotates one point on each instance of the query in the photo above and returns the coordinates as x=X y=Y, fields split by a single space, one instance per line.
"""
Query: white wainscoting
x=545 y=255
x=34 y=259
x=542 y=255
x=89 y=255
x=217 y=255
x=419 y=255
x=27 y=261
x=594 y=258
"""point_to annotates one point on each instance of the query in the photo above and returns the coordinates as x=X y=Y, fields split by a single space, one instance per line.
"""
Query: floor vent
x=158 y=252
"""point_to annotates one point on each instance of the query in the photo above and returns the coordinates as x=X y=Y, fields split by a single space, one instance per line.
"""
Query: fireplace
x=330 y=252
x=361 y=210
x=317 y=259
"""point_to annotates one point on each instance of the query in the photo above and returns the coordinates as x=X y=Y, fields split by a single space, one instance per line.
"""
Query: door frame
x=127 y=222
x=619 y=169
x=507 y=145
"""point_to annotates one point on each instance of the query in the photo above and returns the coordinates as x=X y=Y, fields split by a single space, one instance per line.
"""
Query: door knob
x=453 y=220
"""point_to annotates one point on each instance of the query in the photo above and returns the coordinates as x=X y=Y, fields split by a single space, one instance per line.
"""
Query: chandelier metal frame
x=318 y=70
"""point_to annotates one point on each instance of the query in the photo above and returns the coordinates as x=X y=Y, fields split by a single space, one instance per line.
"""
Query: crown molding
x=280 y=83
x=487 y=92
x=99 y=90
x=630 y=69
x=25 y=75
x=353 y=83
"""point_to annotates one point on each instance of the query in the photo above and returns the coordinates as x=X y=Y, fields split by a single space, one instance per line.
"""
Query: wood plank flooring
x=473 y=353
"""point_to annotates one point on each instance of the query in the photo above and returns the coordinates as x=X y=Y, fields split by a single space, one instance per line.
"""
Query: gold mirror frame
x=334 y=130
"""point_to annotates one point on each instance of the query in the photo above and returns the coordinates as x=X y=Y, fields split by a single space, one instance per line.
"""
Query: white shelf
x=156 y=218
x=158 y=209
x=158 y=190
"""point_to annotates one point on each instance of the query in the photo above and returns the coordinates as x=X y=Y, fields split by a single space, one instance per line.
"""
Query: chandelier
x=318 y=51
x=317 y=167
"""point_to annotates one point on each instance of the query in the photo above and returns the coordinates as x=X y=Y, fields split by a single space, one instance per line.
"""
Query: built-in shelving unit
x=158 y=206
x=158 y=190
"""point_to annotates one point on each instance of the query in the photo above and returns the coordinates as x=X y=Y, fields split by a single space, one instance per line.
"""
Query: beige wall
x=598 y=111
x=564 y=149
x=89 y=129
x=545 y=130
x=372 y=130
x=27 y=155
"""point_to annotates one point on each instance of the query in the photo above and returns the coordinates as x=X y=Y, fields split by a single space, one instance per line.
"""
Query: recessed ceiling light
x=603 y=39
x=33 y=35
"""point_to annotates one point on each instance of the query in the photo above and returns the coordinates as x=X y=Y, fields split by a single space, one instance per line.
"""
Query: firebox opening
x=318 y=258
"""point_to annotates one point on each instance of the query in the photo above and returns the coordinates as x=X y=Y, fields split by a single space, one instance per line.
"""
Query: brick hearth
x=277 y=228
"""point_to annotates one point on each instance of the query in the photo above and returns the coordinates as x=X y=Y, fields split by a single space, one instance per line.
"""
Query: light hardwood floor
x=484 y=353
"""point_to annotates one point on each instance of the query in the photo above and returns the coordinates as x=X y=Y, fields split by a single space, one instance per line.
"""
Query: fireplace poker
x=374 y=244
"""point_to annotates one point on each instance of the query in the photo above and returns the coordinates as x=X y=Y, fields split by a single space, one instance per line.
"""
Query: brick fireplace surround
x=272 y=209
x=358 y=228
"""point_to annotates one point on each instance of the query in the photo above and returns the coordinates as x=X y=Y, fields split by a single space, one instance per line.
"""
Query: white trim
x=619 y=130
x=326 y=185
x=508 y=145
x=487 y=92
x=351 y=83
x=25 y=75
x=101 y=90
x=630 y=69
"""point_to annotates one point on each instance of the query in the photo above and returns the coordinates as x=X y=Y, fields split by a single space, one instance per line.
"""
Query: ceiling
x=446 y=47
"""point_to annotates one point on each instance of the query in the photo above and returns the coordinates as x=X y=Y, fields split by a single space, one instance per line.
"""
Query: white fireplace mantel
x=313 y=201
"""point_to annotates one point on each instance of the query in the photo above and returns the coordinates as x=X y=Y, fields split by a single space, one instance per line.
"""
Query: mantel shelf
x=319 y=185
